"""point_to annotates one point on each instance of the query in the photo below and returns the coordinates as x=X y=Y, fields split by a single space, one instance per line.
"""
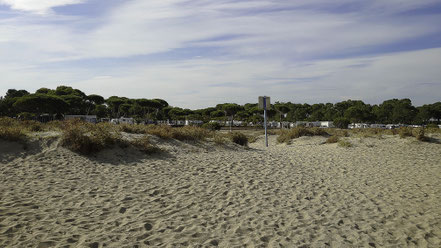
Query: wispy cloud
x=190 y=52
x=38 y=6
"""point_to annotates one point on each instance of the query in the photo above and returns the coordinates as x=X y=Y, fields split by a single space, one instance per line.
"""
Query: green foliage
x=39 y=103
x=390 y=111
x=341 y=122
x=13 y=93
x=432 y=125
x=213 y=126
x=239 y=138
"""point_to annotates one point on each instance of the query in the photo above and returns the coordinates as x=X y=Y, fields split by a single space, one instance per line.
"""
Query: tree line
x=65 y=100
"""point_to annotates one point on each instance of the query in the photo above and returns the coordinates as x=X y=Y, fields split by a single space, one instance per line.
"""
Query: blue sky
x=196 y=53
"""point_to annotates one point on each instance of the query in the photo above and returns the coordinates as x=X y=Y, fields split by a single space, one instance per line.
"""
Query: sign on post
x=264 y=103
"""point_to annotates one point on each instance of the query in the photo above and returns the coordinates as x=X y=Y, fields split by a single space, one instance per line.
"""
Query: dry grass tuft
x=419 y=134
x=190 y=133
x=333 y=139
x=219 y=139
x=12 y=133
x=87 y=138
x=11 y=130
x=405 y=132
x=180 y=133
x=239 y=138
x=294 y=133
x=344 y=143
x=143 y=144
x=133 y=128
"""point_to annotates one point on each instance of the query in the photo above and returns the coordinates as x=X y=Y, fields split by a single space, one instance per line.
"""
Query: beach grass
x=285 y=136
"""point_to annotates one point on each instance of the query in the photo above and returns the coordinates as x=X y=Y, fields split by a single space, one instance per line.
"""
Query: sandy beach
x=379 y=193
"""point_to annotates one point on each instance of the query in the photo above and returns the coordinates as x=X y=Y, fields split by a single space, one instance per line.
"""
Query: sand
x=379 y=193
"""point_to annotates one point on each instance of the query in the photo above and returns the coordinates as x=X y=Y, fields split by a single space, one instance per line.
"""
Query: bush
x=87 y=138
x=162 y=131
x=179 y=133
x=332 y=139
x=432 y=125
x=405 y=132
x=219 y=139
x=7 y=122
x=239 y=138
x=143 y=144
x=12 y=133
x=133 y=128
x=33 y=126
x=190 y=133
x=213 y=126
x=344 y=143
x=419 y=134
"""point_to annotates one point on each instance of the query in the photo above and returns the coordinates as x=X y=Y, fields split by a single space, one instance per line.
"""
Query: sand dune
x=379 y=193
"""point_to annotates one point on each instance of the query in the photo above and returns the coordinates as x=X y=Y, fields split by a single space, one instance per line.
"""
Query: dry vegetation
x=285 y=136
x=12 y=130
x=239 y=138
x=186 y=133
x=88 y=138
x=344 y=143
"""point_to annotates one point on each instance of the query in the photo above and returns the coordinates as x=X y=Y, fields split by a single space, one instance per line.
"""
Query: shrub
x=7 y=122
x=332 y=139
x=162 y=131
x=56 y=125
x=12 y=133
x=252 y=138
x=33 y=126
x=86 y=138
x=179 y=133
x=213 y=126
x=344 y=143
x=143 y=144
x=405 y=132
x=419 y=134
x=239 y=138
x=432 y=125
x=190 y=133
x=219 y=139
x=132 y=128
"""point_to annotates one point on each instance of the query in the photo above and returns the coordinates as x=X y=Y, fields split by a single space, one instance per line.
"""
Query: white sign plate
x=268 y=102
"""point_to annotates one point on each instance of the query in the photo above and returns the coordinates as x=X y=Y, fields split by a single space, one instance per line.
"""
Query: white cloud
x=38 y=6
x=206 y=82
x=283 y=53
